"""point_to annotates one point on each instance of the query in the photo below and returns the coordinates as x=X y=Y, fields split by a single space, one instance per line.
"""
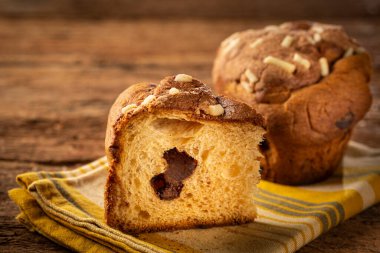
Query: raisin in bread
x=180 y=157
x=310 y=82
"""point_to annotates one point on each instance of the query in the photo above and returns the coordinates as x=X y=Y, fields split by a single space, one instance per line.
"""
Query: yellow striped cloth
x=67 y=207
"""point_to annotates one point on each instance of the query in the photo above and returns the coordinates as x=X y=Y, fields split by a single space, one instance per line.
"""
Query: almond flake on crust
x=231 y=44
x=360 y=50
x=183 y=78
x=299 y=59
x=324 y=66
x=256 y=43
x=173 y=91
x=318 y=29
x=310 y=40
x=148 y=100
x=252 y=78
x=271 y=28
x=287 y=41
x=215 y=110
x=349 y=52
x=289 y=67
x=128 y=108
x=247 y=86
x=317 y=37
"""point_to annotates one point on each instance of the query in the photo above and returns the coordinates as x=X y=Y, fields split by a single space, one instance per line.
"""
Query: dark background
x=210 y=9
x=62 y=64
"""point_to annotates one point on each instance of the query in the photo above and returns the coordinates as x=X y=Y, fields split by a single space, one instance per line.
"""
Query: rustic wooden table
x=58 y=80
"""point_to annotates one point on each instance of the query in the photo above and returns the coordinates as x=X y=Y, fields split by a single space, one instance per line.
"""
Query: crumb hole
x=144 y=215
x=205 y=155
x=137 y=182
x=234 y=170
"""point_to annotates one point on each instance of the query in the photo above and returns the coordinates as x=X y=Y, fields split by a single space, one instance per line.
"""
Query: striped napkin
x=67 y=207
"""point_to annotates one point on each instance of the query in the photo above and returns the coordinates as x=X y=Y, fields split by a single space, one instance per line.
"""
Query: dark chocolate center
x=264 y=145
x=180 y=165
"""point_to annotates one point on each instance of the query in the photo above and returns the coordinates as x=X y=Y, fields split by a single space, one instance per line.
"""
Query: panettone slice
x=180 y=157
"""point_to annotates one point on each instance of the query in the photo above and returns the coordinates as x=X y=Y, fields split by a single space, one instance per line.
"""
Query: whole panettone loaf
x=180 y=157
x=310 y=82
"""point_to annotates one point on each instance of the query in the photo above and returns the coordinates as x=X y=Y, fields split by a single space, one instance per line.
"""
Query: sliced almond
x=256 y=43
x=173 y=91
x=247 y=86
x=271 y=28
x=318 y=29
x=324 y=66
x=360 y=50
x=299 y=59
x=310 y=40
x=252 y=78
x=349 y=52
x=231 y=44
x=128 y=108
x=287 y=41
x=317 y=37
x=148 y=100
x=183 y=78
x=215 y=110
x=289 y=67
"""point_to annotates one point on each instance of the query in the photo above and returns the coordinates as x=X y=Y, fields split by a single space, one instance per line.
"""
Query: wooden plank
x=15 y=238
x=257 y=9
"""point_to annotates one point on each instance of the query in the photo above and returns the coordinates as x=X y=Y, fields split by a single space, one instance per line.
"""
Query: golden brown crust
x=183 y=225
x=192 y=100
x=308 y=131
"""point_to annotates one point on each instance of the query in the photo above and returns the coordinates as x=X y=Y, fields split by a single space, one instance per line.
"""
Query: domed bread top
x=280 y=59
x=181 y=94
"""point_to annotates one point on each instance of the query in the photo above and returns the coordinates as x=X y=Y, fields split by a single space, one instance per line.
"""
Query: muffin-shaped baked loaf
x=180 y=157
x=310 y=82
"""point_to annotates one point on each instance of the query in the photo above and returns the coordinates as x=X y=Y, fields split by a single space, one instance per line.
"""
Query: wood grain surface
x=210 y=9
x=58 y=79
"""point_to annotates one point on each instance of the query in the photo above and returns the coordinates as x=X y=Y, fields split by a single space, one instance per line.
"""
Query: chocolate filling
x=346 y=121
x=180 y=165
x=264 y=145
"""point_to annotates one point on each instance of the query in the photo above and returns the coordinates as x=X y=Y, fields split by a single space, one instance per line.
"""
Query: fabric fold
x=67 y=208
